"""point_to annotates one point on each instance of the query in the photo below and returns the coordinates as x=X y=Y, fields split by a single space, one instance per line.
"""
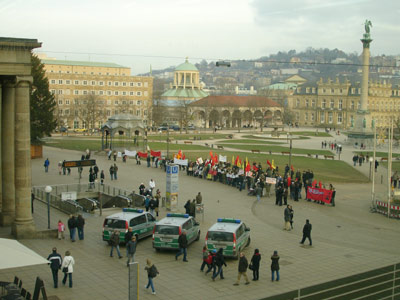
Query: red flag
x=184 y=156
x=248 y=168
x=320 y=185
x=211 y=154
x=142 y=154
x=216 y=158
x=289 y=181
x=269 y=164
x=255 y=169
x=236 y=160
x=155 y=153
x=314 y=183
x=291 y=167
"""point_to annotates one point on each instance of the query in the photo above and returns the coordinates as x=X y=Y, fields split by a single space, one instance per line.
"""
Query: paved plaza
x=347 y=239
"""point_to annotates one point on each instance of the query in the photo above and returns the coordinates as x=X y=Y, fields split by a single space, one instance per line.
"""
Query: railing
x=382 y=283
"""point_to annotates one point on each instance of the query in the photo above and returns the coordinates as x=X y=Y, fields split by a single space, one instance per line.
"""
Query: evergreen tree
x=42 y=103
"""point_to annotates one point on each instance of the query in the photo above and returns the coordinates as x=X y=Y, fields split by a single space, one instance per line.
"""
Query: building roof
x=282 y=86
x=185 y=93
x=186 y=66
x=81 y=63
x=239 y=101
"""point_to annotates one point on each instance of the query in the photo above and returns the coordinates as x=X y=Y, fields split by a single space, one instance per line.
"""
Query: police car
x=167 y=231
x=142 y=224
x=232 y=235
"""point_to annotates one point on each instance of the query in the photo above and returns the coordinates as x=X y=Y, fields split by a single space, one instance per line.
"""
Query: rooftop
x=81 y=63
x=186 y=66
x=238 y=101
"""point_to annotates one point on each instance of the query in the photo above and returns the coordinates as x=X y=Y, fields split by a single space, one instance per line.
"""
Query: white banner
x=222 y=158
x=182 y=162
x=270 y=180
x=130 y=153
x=199 y=160
x=119 y=154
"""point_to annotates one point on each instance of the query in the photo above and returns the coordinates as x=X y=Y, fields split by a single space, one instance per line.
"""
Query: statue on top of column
x=367 y=25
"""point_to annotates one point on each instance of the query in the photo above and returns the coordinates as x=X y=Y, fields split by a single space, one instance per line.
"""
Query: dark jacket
x=72 y=223
x=128 y=236
x=243 y=264
x=287 y=214
x=219 y=259
x=182 y=240
x=152 y=204
x=275 y=263
x=131 y=247
x=80 y=222
x=307 y=229
x=55 y=260
x=114 y=239
x=255 y=260
x=187 y=207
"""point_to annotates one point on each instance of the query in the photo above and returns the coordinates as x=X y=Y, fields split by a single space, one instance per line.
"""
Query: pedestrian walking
x=199 y=198
x=187 y=207
x=157 y=199
x=80 y=224
x=243 y=264
x=147 y=203
x=376 y=165
x=138 y=162
x=32 y=199
x=112 y=172
x=131 y=250
x=102 y=177
x=115 y=155
x=287 y=218
x=152 y=272
x=115 y=172
x=275 y=266
x=291 y=216
x=128 y=237
x=205 y=258
x=148 y=160
x=211 y=261
x=114 y=240
x=95 y=171
x=307 y=232
x=59 y=167
x=192 y=208
x=152 y=186
x=55 y=261
x=258 y=192
x=46 y=165
x=61 y=229
x=72 y=227
x=152 y=206
x=333 y=194
x=68 y=268
x=219 y=263
x=255 y=264
x=183 y=243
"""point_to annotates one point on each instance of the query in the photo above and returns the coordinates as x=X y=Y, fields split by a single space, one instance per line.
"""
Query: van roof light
x=177 y=215
x=227 y=220
x=136 y=210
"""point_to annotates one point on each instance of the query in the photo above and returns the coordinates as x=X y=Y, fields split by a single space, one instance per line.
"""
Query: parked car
x=162 y=128
x=80 y=130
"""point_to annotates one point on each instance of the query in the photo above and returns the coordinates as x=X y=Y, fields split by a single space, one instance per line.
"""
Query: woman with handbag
x=68 y=268
x=255 y=264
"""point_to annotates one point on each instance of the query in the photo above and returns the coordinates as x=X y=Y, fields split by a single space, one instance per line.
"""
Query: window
x=60 y=81
x=297 y=102
x=109 y=83
x=138 y=112
x=108 y=113
x=332 y=91
x=68 y=82
x=332 y=105
x=85 y=92
x=116 y=83
x=124 y=83
x=313 y=103
x=339 y=118
x=101 y=92
x=352 y=105
x=131 y=112
x=139 y=84
x=358 y=105
x=76 y=82
x=341 y=104
x=53 y=92
x=131 y=84
x=352 y=120
x=139 y=93
x=312 y=117
x=132 y=93
x=76 y=92
x=131 y=102
x=138 y=221
x=93 y=82
x=330 y=119
x=323 y=118
x=66 y=112
x=306 y=117
x=76 y=124
x=145 y=112
x=53 y=81
x=101 y=82
x=307 y=103
x=116 y=93
x=93 y=92
x=297 y=116
x=323 y=104
x=76 y=101
x=60 y=101
x=85 y=82
x=59 y=92
x=108 y=102
x=139 y=102
x=116 y=102
x=124 y=93
x=67 y=101
x=109 y=93
x=60 y=111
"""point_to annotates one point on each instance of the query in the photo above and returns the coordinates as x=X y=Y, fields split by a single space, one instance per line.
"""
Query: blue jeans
x=131 y=257
x=220 y=272
x=112 y=248
x=55 y=277
x=258 y=198
x=70 y=279
x=72 y=234
x=80 y=233
x=46 y=169
x=150 y=283
x=277 y=275
x=182 y=251
x=115 y=175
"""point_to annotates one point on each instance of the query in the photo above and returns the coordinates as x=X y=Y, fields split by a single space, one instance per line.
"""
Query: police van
x=167 y=231
x=232 y=235
x=142 y=224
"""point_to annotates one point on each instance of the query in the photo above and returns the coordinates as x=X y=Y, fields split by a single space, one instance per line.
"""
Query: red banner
x=319 y=194
x=141 y=154
x=155 y=153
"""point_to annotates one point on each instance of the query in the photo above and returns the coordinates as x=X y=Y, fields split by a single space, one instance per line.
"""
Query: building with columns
x=15 y=163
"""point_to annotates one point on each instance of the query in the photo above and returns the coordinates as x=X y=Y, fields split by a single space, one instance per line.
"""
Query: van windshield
x=220 y=236
x=114 y=223
x=166 y=229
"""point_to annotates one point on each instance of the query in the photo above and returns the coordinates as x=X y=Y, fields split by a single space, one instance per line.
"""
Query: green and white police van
x=167 y=231
x=142 y=224
x=232 y=235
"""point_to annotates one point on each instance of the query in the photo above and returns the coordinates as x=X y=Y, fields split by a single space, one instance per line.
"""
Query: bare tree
x=89 y=110
x=184 y=115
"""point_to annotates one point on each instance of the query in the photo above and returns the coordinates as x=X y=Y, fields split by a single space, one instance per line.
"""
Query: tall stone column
x=1 y=181
x=23 y=225
x=365 y=75
x=7 y=154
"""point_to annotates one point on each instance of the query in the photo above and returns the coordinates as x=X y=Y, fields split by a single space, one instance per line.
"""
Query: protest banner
x=270 y=180
x=319 y=194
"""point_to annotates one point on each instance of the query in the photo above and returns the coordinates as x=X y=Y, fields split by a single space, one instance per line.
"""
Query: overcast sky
x=137 y=33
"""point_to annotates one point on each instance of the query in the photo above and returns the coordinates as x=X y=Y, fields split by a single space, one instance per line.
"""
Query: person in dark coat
x=141 y=189
x=114 y=241
x=275 y=266
x=183 y=243
x=287 y=218
x=55 y=261
x=255 y=262
x=219 y=262
x=131 y=250
x=102 y=177
x=243 y=265
x=211 y=261
x=187 y=207
x=192 y=208
x=333 y=194
x=72 y=227
x=80 y=223
x=291 y=216
x=128 y=236
x=307 y=232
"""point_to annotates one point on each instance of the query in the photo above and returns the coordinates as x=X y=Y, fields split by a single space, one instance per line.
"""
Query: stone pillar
x=1 y=181
x=7 y=154
x=23 y=226
x=365 y=75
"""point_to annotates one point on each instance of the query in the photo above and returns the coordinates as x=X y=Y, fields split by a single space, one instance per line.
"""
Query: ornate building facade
x=109 y=86
x=334 y=103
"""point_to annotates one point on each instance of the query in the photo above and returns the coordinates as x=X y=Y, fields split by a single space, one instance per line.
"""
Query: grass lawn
x=395 y=165
x=273 y=139
x=378 y=154
x=272 y=148
x=184 y=136
x=311 y=133
x=326 y=171
x=260 y=141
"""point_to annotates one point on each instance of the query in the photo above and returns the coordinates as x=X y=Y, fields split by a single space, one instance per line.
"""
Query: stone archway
x=248 y=118
x=199 y=118
x=259 y=118
x=277 y=115
x=226 y=119
x=268 y=116
x=236 y=119
x=213 y=119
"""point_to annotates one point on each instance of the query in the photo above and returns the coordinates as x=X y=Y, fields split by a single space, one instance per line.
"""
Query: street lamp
x=48 y=190
x=371 y=159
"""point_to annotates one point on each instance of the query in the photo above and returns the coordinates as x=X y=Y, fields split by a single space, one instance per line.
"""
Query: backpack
x=153 y=271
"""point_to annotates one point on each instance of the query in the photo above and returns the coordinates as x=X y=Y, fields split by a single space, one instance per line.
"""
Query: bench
x=329 y=156
x=230 y=136
x=207 y=145
x=384 y=158
x=309 y=155
x=285 y=152
x=255 y=151
x=188 y=142
x=220 y=147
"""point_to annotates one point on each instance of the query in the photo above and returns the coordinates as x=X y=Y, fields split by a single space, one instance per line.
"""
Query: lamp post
x=167 y=141
x=48 y=190
x=290 y=152
x=370 y=168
